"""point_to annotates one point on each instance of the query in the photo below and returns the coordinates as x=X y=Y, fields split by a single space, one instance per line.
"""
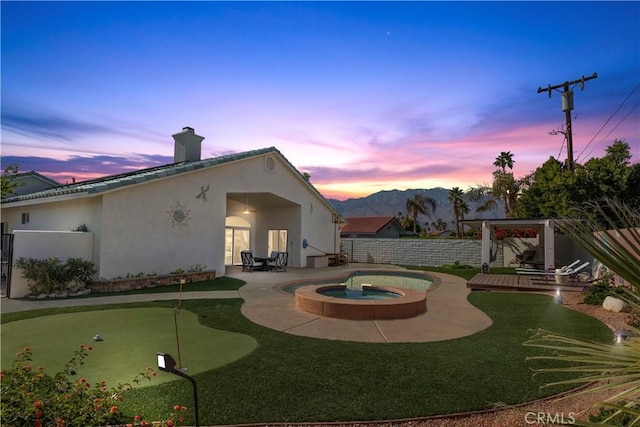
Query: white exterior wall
x=310 y=218
x=64 y=215
x=47 y=244
x=138 y=234
x=134 y=230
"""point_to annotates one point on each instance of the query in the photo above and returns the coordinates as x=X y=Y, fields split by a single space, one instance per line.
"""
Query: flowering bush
x=519 y=233
x=32 y=398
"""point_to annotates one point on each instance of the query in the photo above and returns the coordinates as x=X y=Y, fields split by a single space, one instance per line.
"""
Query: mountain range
x=392 y=202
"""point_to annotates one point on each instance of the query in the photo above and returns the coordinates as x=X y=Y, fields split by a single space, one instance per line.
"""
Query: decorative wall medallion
x=269 y=164
x=203 y=193
x=179 y=215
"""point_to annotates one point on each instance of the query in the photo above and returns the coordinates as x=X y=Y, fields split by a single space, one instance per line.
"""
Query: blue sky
x=364 y=96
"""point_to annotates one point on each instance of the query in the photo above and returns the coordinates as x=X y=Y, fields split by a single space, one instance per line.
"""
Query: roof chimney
x=187 y=145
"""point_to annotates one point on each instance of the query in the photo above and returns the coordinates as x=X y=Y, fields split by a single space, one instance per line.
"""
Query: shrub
x=599 y=290
x=609 y=416
x=81 y=227
x=455 y=266
x=30 y=397
x=196 y=268
x=46 y=276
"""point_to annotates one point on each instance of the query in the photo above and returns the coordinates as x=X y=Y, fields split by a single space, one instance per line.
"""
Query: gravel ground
x=534 y=413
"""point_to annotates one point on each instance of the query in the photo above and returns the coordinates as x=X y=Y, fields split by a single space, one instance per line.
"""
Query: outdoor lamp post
x=168 y=364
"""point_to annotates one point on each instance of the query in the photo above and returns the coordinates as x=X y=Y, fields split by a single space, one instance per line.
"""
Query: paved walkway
x=448 y=315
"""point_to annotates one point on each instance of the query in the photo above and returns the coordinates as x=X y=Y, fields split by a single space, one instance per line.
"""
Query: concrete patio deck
x=449 y=315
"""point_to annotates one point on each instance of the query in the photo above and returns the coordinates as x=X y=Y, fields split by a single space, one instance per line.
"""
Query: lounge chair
x=571 y=273
x=564 y=268
x=525 y=256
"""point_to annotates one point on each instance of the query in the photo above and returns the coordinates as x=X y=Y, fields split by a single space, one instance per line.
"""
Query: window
x=25 y=217
x=277 y=241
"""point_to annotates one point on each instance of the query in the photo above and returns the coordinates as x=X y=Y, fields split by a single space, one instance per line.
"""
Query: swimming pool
x=366 y=293
x=397 y=279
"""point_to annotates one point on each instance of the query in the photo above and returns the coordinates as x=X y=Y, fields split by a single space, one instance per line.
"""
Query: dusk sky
x=363 y=96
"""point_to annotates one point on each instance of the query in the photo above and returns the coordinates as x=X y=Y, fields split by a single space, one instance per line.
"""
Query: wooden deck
x=509 y=282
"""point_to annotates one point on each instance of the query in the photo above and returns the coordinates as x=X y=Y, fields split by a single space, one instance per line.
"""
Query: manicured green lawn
x=130 y=340
x=292 y=378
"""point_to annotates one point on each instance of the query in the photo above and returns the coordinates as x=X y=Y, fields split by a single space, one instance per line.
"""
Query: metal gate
x=7 y=262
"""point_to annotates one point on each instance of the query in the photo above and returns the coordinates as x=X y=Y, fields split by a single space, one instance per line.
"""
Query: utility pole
x=567 y=106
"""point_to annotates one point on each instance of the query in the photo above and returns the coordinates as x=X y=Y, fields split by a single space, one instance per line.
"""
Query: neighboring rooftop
x=367 y=224
x=31 y=182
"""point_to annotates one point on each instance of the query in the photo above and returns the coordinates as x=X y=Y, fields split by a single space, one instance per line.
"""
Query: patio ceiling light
x=246 y=204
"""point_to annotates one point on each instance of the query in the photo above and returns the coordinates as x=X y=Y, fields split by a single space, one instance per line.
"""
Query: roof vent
x=187 y=147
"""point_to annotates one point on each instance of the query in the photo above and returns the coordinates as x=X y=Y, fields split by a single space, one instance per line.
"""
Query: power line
x=616 y=126
x=609 y=119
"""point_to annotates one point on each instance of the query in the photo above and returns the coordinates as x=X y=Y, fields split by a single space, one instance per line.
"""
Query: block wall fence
x=418 y=252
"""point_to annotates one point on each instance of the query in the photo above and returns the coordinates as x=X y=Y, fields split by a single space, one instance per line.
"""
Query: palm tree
x=610 y=231
x=504 y=187
x=504 y=160
x=463 y=209
x=418 y=205
x=456 y=198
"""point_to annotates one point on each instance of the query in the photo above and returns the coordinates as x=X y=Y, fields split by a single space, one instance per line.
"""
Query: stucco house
x=371 y=226
x=30 y=182
x=190 y=212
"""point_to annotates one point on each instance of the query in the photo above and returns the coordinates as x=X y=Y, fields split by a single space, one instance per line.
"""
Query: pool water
x=364 y=294
x=400 y=279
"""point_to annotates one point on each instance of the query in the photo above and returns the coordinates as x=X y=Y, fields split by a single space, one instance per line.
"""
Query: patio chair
x=525 y=256
x=343 y=258
x=249 y=263
x=271 y=261
x=279 y=261
x=338 y=259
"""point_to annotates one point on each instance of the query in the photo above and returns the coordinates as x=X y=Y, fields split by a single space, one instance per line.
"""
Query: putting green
x=131 y=339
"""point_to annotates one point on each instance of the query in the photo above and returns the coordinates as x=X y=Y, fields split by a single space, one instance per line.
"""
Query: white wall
x=135 y=232
x=46 y=244
x=140 y=236
x=309 y=219
x=58 y=216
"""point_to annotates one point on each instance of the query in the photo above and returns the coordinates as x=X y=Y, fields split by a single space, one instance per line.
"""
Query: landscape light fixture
x=168 y=364
x=558 y=296
x=622 y=335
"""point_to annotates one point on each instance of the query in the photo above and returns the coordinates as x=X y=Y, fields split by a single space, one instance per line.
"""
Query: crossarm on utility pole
x=567 y=84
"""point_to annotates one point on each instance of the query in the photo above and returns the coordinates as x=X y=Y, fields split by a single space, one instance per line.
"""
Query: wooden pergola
x=545 y=227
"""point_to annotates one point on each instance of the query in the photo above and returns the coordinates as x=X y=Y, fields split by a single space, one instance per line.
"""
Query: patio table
x=265 y=262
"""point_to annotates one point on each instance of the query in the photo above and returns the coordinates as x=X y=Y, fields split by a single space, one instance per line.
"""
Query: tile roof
x=366 y=224
x=145 y=175
x=34 y=174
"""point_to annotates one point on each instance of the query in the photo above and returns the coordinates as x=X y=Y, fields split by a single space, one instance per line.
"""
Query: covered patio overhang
x=545 y=228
